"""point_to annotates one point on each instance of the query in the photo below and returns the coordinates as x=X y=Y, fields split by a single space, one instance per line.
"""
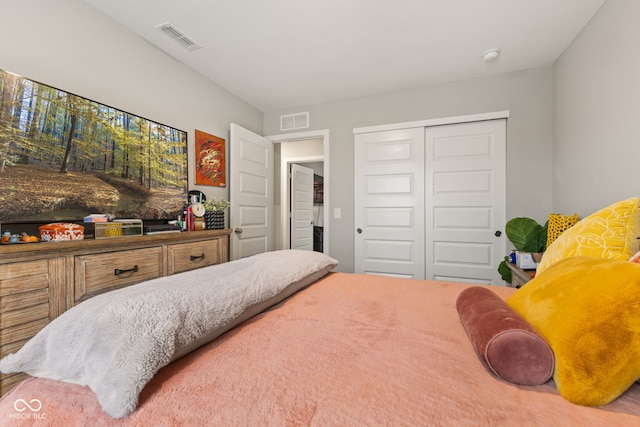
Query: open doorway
x=310 y=149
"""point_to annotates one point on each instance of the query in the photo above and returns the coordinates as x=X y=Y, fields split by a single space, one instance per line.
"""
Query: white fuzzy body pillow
x=116 y=342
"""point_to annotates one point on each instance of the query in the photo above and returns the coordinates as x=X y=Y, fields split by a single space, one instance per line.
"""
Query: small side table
x=519 y=277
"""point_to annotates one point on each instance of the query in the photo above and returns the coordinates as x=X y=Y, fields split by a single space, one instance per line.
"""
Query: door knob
x=498 y=233
x=238 y=231
x=359 y=230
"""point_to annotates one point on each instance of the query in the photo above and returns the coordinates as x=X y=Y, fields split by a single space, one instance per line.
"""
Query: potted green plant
x=526 y=235
x=214 y=213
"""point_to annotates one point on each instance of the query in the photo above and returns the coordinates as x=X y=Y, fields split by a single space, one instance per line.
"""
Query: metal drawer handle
x=193 y=257
x=118 y=272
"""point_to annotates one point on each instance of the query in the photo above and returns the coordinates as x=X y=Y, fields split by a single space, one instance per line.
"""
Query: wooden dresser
x=39 y=281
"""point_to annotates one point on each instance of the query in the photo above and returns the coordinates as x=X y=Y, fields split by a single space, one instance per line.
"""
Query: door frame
x=322 y=134
x=436 y=122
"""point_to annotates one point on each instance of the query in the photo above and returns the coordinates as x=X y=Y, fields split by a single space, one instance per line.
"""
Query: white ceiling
x=280 y=54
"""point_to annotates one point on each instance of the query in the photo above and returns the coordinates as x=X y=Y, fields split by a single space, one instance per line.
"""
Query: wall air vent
x=294 y=121
x=184 y=40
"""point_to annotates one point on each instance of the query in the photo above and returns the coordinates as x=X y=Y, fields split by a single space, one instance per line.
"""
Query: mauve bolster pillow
x=505 y=342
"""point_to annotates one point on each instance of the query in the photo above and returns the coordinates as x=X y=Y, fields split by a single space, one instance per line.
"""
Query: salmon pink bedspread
x=348 y=350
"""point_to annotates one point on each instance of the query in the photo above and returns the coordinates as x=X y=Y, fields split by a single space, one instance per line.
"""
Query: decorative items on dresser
x=214 y=213
x=214 y=220
x=40 y=281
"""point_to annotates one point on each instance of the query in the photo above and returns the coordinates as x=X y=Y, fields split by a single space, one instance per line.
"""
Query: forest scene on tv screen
x=63 y=157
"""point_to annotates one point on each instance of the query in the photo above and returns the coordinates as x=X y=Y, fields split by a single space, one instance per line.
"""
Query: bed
x=281 y=339
x=325 y=348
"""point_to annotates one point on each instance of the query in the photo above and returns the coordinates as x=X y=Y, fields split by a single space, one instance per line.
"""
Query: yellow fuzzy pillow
x=610 y=233
x=558 y=224
x=587 y=309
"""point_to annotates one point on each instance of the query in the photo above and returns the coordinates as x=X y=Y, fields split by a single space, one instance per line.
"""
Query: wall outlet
x=337 y=213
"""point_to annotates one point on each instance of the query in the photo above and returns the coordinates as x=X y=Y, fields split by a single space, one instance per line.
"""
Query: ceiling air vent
x=184 y=40
x=294 y=121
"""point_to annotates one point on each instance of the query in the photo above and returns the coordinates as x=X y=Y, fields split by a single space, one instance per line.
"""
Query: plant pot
x=214 y=220
x=537 y=257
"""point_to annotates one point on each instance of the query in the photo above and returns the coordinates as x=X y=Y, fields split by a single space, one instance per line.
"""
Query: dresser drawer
x=26 y=301
x=187 y=256
x=31 y=295
x=96 y=273
x=23 y=276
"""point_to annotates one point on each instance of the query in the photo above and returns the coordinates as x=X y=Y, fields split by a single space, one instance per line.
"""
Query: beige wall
x=597 y=112
x=527 y=95
x=68 y=45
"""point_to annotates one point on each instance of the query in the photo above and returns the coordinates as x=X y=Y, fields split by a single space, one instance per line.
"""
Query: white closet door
x=389 y=203
x=301 y=207
x=465 y=201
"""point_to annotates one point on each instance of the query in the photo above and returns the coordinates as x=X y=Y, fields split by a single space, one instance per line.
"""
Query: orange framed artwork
x=210 y=160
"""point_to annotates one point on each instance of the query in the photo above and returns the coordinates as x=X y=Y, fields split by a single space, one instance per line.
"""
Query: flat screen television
x=63 y=157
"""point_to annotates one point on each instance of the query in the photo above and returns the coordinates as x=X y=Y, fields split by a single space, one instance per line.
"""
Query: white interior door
x=389 y=203
x=465 y=201
x=301 y=207
x=251 y=192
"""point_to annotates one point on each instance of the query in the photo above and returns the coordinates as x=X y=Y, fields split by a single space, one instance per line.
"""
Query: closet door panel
x=465 y=201
x=389 y=203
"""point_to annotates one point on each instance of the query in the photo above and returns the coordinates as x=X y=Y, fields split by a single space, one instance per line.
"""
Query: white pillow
x=116 y=342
